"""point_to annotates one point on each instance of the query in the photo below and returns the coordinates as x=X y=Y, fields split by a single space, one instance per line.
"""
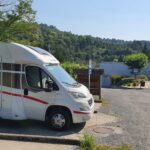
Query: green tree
x=18 y=19
x=136 y=61
x=72 y=67
x=145 y=50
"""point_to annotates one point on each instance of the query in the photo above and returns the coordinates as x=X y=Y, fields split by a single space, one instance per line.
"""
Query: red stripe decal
x=12 y=94
x=35 y=99
x=79 y=112
x=27 y=97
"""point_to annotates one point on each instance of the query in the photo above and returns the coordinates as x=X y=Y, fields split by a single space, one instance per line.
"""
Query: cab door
x=36 y=94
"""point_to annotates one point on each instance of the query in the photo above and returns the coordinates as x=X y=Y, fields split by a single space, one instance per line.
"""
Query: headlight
x=78 y=95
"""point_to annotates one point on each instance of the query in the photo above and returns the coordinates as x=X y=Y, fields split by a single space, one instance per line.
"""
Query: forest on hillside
x=76 y=48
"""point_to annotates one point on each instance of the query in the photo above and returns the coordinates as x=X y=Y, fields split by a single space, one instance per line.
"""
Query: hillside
x=75 y=48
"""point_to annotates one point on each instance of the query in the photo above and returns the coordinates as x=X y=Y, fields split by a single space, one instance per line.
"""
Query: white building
x=118 y=68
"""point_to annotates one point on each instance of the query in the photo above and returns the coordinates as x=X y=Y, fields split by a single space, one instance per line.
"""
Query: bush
x=87 y=143
x=115 y=79
x=135 y=83
x=142 y=77
x=126 y=81
x=72 y=67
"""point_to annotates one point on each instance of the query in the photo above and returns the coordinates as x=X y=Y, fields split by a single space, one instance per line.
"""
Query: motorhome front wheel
x=59 y=119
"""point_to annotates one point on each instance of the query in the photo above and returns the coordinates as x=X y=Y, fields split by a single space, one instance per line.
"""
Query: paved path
x=147 y=84
x=15 y=145
x=132 y=107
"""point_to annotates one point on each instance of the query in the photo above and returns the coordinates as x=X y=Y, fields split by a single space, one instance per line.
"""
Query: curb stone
x=98 y=101
x=41 y=139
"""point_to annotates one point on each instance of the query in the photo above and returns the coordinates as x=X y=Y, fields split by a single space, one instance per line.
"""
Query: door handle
x=26 y=92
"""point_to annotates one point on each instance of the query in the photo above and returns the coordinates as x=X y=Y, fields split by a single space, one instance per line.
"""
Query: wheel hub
x=58 y=120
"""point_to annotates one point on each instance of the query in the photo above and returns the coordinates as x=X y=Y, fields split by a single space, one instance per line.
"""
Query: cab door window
x=38 y=79
x=33 y=77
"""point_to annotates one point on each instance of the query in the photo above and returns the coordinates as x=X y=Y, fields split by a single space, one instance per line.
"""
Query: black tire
x=65 y=115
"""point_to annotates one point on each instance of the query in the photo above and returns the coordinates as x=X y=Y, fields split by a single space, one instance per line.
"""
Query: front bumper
x=82 y=116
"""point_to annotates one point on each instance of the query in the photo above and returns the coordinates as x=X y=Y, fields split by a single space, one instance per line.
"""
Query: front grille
x=90 y=102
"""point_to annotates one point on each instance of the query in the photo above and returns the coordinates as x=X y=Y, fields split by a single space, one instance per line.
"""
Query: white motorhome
x=33 y=85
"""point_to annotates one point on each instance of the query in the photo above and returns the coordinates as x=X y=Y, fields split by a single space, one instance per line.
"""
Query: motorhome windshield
x=58 y=72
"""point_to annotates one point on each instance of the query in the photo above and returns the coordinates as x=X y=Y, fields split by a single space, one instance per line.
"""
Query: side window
x=6 y=79
x=16 y=80
x=33 y=76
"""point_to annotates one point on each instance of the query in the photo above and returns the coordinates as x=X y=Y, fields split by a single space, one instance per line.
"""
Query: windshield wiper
x=74 y=84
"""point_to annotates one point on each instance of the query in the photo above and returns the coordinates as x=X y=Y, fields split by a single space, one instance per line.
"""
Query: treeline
x=75 y=48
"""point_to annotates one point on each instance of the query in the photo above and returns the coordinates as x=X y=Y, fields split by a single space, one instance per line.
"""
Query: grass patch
x=123 y=147
x=104 y=102
x=88 y=143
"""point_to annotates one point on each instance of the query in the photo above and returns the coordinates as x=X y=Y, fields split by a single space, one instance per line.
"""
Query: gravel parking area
x=132 y=108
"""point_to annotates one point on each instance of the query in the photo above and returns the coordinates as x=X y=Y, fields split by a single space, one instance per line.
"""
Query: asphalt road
x=132 y=107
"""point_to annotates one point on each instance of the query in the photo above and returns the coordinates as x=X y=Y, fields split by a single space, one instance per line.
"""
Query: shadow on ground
x=38 y=128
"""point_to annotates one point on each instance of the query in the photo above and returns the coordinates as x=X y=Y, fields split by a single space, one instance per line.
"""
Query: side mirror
x=48 y=86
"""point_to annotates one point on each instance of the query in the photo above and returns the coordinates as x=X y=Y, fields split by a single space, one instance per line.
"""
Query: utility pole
x=49 y=48
x=90 y=72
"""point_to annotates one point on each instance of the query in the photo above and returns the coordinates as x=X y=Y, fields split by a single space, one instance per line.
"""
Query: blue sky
x=120 y=19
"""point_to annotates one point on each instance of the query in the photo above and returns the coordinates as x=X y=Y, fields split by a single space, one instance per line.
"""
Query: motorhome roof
x=18 y=53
